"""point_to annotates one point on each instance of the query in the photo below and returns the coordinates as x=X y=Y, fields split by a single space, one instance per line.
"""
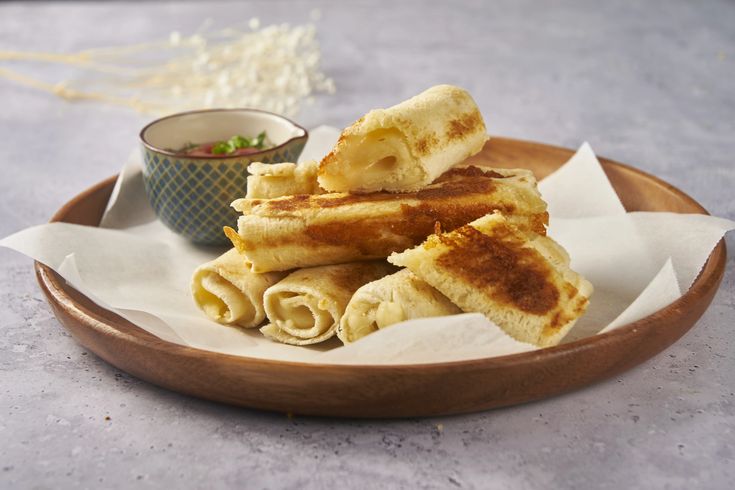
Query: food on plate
x=407 y=146
x=310 y=230
x=229 y=292
x=270 y=180
x=237 y=145
x=389 y=300
x=306 y=307
x=519 y=280
x=395 y=186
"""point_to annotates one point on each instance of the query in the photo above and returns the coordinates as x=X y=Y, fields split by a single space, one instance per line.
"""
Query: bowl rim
x=151 y=147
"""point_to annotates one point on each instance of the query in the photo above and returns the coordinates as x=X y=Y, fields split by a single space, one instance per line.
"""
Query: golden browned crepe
x=229 y=292
x=269 y=180
x=306 y=307
x=407 y=146
x=389 y=300
x=519 y=280
x=310 y=230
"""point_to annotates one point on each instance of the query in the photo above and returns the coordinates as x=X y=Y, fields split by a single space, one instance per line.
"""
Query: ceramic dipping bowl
x=192 y=194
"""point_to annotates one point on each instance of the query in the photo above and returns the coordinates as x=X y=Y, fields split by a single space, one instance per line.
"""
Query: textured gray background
x=648 y=83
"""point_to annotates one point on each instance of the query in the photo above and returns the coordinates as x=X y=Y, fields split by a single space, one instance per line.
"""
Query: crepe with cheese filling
x=304 y=231
x=519 y=280
x=306 y=307
x=392 y=299
x=407 y=146
x=269 y=180
x=229 y=292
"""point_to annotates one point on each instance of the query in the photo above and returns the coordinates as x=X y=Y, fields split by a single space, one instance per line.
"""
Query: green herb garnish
x=237 y=143
x=260 y=140
x=222 y=148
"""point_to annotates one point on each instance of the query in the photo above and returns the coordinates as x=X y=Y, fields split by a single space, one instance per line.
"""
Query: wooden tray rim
x=709 y=277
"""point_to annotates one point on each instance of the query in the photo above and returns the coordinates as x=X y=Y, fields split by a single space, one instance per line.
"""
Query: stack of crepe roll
x=390 y=226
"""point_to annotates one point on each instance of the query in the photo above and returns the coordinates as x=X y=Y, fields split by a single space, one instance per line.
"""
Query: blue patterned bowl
x=192 y=194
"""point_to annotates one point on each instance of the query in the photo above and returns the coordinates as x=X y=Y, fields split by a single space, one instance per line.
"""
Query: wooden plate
x=393 y=391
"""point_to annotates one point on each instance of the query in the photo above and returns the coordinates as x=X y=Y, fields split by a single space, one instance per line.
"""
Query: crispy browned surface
x=502 y=267
x=463 y=195
x=466 y=124
x=455 y=188
x=469 y=171
x=579 y=305
x=350 y=277
x=422 y=218
x=379 y=237
x=538 y=223
x=287 y=203
x=366 y=237
x=454 y=183
x=425 y=145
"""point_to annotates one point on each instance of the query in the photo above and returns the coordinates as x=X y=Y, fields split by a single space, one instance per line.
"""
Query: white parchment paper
x=133 y=265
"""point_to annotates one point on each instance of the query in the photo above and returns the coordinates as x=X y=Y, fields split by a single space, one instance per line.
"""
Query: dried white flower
x=276 y=68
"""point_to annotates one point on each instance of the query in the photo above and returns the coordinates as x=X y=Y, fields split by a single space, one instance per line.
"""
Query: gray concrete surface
x=648 y=83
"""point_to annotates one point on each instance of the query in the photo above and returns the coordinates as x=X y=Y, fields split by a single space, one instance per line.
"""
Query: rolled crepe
x=407 y=146
x=519 y=280
x=306 y=307
x=392 y=299
x=229 y=292
x=306 y=231
x=269 y=180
